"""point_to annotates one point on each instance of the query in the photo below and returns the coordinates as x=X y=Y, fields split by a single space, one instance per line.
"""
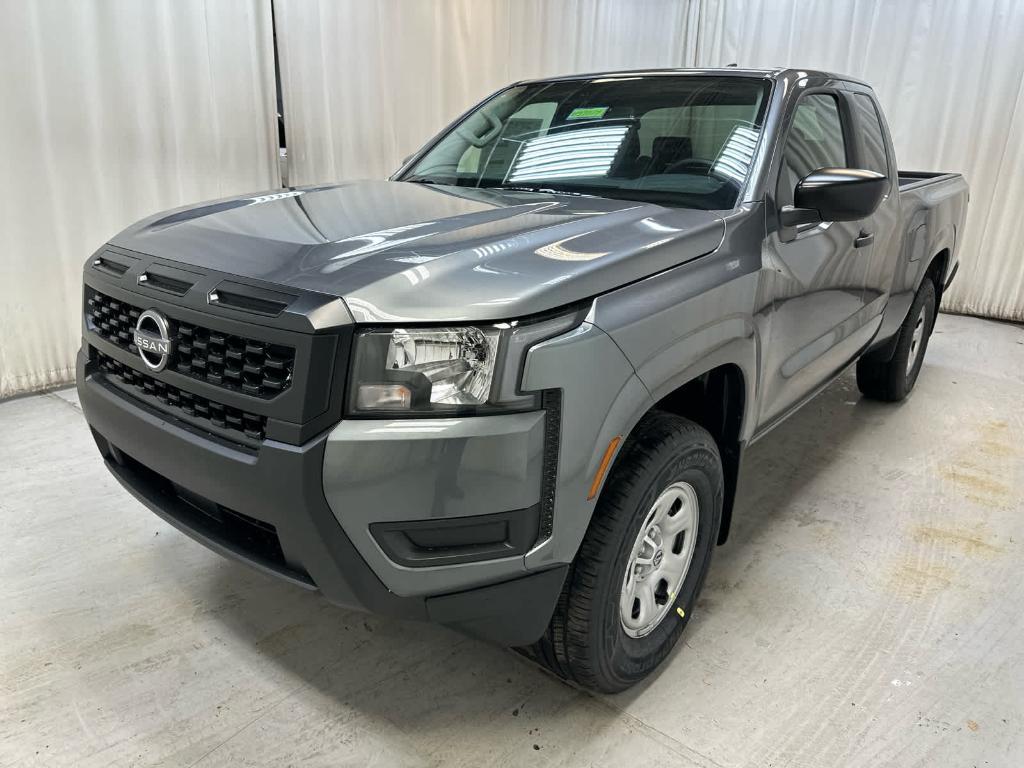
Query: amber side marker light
x=605 y=461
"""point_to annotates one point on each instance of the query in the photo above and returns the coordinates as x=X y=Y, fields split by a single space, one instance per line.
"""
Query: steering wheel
x=691 y=165
x=697 y=167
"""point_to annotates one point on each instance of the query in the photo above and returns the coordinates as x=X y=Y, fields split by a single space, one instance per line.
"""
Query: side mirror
x=835 y=194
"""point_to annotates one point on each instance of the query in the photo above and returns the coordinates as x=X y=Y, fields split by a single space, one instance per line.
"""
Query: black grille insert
x=222 y=416
x=114 y=320
x=238 y=363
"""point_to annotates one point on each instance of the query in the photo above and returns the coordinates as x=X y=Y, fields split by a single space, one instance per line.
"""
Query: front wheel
x=636 y=578
x=892 y=379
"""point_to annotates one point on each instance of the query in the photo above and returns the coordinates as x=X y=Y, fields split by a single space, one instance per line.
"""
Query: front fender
x=602 y=398
x=678 y=325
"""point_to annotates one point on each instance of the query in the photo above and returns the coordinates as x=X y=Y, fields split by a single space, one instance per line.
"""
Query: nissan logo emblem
x=153 y=339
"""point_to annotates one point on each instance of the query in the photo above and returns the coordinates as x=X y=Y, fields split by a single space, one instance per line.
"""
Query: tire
x=892 y=380
x=587 y=640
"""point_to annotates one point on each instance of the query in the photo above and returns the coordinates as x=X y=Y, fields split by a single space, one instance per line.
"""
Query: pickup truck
x=508 y=390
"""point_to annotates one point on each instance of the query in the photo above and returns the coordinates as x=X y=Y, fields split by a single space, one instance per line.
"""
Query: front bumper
x=267 y=507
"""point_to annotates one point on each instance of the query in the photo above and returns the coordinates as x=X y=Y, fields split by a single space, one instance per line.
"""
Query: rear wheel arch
x=891 y=379
x=936 y=272
x=882 y=350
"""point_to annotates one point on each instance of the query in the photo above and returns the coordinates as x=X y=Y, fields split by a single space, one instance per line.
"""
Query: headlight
x=418 y=368
x=435 y=371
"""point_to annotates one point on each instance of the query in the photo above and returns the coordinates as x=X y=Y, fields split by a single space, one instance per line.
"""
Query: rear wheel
x=892 y=379
x=636 y=578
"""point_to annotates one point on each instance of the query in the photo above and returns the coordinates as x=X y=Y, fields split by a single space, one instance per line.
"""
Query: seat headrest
x=671 y=149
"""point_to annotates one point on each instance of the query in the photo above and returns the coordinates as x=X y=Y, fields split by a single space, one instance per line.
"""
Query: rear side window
x=815 y=141
x=872 y=139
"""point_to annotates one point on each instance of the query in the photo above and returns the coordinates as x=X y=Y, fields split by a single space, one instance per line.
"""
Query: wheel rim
x=659 y=560
x=916 y=341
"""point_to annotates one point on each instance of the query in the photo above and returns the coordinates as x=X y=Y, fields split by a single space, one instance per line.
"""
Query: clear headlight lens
x=425 y=368
x=459 y=369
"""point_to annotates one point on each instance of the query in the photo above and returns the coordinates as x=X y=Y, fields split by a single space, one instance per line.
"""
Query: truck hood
x=398 y=251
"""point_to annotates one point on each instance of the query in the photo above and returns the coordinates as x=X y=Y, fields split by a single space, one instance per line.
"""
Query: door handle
x=865 y=239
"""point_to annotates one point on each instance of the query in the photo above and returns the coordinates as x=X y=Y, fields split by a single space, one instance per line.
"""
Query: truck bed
x=911 y=179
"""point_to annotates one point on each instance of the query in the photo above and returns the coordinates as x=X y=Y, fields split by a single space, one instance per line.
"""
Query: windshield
x=683 y=140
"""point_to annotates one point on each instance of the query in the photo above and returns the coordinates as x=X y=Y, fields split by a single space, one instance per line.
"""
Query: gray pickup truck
x=509 y=389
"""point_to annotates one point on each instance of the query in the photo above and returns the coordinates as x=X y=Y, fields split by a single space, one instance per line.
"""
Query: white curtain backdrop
x=950 y=76
x=367 y=83
x=110 y=111
x=113 y=109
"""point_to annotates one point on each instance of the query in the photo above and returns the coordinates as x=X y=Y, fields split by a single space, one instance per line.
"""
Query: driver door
x=817 y=273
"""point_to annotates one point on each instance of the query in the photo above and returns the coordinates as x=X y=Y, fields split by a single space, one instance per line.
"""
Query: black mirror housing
x=841 y=194
x=797 y=217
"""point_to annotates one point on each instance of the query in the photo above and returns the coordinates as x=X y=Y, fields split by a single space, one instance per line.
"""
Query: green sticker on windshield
x=587 y=113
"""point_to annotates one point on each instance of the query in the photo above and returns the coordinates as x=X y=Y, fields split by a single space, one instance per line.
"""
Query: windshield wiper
x=525 y=188
x=428 y=181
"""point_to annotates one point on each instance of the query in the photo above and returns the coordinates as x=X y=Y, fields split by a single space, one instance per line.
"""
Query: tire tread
x=565 y=646
x=886 y=380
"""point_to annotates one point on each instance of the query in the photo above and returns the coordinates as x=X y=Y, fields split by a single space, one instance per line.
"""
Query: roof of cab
x=768 y=73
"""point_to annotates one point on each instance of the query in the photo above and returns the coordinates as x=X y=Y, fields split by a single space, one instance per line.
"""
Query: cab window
x=872 y=138
x=815 y=141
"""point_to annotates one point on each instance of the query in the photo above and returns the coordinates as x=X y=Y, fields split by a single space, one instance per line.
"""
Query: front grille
x=114 y=320
x=237 y=363
x=219 y=415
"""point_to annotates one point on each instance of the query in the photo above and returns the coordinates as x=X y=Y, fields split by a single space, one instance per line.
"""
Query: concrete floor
x=867 y=611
